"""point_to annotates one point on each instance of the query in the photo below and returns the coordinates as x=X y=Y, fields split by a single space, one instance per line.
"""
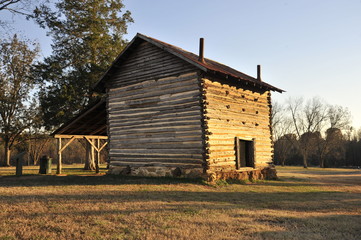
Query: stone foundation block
x=244 y=175
x=157 y=171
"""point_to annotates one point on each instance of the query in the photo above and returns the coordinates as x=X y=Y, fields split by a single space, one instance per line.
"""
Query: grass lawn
x=303 y=204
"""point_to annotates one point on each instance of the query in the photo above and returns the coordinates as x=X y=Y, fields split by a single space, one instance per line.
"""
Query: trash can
x=45 y=165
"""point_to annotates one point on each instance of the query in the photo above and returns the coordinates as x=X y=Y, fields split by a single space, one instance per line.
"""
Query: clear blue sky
x=306 y=47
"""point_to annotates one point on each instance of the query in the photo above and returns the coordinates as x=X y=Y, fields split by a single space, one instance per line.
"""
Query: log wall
x=154 y=116
x=234 y=112
x=147 y=62
x=165 y=119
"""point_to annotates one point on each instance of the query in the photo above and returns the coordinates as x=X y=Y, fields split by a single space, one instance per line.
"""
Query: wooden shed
x=170 y=112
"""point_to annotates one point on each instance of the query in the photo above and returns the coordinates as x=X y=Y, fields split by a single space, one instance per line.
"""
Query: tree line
x=38 y=95
x=312 y=132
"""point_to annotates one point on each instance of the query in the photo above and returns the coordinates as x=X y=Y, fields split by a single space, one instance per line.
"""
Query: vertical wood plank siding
x=234 y=112
x=154 y=114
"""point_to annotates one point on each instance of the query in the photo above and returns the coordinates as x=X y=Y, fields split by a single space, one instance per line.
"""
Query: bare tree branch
x=5 y=3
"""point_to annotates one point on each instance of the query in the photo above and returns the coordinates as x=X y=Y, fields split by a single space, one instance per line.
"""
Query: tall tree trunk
x=322 y=162
x=7 y=153
x=283 y=160
x=304 y=157
x=89 y=157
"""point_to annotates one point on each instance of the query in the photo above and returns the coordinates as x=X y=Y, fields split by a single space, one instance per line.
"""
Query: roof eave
x=77 y=117
x=203 y=67
x=255 y=83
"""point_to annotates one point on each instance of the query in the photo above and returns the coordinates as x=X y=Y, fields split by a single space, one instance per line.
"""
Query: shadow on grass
x=54 y=180
x=93 y=180
x=147 y=200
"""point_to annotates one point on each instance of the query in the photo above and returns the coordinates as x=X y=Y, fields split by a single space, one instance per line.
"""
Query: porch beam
x=80 y=136
x=67 y=144
x=101 y=148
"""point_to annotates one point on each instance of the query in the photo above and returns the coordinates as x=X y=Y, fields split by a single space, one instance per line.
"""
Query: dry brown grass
x=304 y=204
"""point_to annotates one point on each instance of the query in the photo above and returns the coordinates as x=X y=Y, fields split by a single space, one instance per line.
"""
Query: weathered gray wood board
x=154 y=115
x=147 y=62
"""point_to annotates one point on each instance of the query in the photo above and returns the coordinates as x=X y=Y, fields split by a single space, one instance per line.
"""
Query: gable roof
x=208 y=66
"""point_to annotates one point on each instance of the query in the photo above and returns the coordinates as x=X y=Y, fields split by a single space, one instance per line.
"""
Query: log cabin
x=169 y=112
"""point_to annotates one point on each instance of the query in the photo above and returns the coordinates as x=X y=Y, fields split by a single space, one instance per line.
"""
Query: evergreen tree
x=87 y=37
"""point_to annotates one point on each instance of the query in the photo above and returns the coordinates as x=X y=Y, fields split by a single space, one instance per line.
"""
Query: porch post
x=98 y=156
x=58 y=169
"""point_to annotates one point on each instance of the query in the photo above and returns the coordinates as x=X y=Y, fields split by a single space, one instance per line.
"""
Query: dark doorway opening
x=244 y=153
